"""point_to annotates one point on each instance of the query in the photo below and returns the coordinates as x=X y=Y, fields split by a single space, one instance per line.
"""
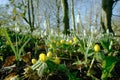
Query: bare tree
x=65 y=8
x=26 y=11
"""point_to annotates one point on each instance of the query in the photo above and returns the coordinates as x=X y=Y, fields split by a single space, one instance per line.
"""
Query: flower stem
x=88 y=73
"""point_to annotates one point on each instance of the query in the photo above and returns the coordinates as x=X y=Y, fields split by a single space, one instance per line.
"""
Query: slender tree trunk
x=32 y=15
x=106 y=15
x=73 y=15
x=58 y=15
x=64 y=4
x=29 y=15
x=31 y=18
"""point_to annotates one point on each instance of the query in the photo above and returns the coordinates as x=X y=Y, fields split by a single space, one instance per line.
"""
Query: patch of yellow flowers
x=43 y=58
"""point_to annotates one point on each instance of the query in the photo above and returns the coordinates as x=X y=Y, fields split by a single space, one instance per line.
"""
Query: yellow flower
x=51 y=46
x=34 y=61
x=62 y=41
x=57 y=60
x=96 y=48
x=49 y=54
x=70 y=42
x=42 y=57
x=75 y=39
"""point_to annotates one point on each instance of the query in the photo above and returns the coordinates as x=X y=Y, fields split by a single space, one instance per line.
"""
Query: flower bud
x=34 y=61
x=49 y=54
x=96 y=48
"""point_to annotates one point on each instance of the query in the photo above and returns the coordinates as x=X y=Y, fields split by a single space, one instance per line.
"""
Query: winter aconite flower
x=62 y=41
x=42 y=57
x=51 y=46
x=49 y=54
x=75 y=39
x=34 y=61
x=57 y=60
x=96 y=48
x=70 y=42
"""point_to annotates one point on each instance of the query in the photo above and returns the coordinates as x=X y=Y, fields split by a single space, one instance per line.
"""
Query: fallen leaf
x=11 y=75
x=26 y=57
x=9 y=60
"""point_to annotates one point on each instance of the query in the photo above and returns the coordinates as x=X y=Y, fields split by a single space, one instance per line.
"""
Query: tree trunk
x=73 y=15
x=106 y=15
x=58 y=15
x=64 y=4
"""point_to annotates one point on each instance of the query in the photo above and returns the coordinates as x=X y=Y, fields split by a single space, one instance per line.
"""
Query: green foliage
x=9 y=40
x=16 y=50
x=99 y=56
x=76 y=54
x=72 y=76
x=42 y=69
x=107 y=66
x=106 y=42
x=51 y=65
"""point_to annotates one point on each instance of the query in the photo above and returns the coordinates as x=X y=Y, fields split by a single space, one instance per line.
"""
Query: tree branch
x=26 y=20
x=116 y=15
x=115 y=2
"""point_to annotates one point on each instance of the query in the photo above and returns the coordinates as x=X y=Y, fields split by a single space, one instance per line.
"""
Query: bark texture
x=64 y=4
x=106 y=15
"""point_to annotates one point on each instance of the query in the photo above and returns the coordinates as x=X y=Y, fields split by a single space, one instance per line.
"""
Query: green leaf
x=42 y=69
x=14 y=10
x=107 y=66
x=72 y=76
x=77 y=62
x=1 y=58
x=22 y=15
x=99 y=56
x=22 y=47
x=9 y=40
x=105 y=45
x=62 y=67
x=90 y=52
x=12 y=1
x=36 y=65
x=51 y=65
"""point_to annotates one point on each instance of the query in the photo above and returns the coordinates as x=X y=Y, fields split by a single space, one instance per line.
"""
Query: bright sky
x=3 y=2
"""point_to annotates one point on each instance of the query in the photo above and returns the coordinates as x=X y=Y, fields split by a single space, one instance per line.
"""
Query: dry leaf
x=42 y=46
x=9 y=60
x=26 y=57
x=11 y=75
x=30 y=74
